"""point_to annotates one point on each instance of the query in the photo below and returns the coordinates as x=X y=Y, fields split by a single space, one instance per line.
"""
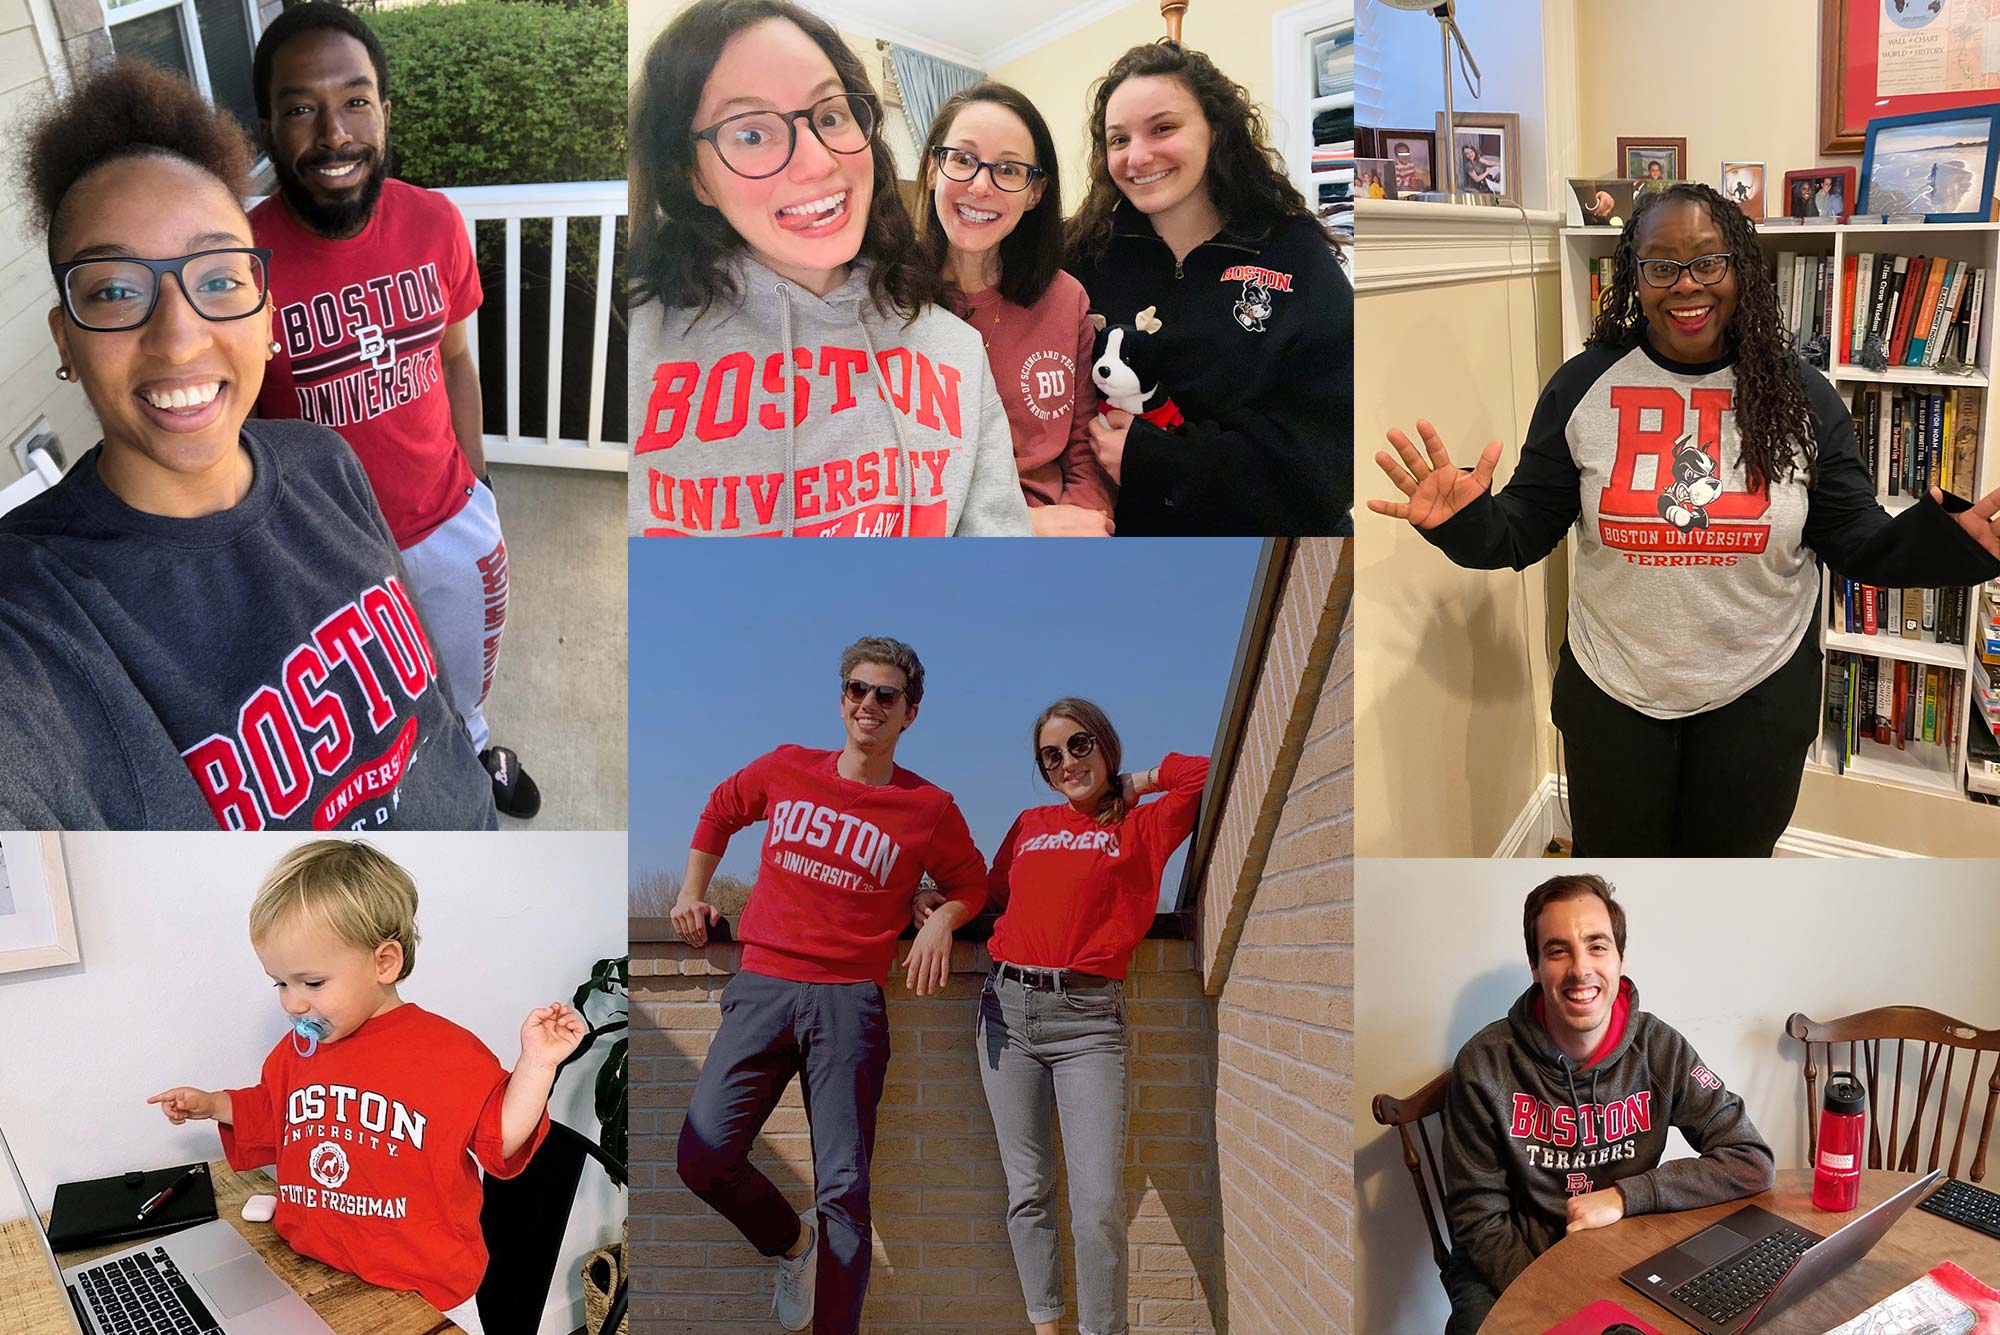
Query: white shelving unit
x=1924 y=767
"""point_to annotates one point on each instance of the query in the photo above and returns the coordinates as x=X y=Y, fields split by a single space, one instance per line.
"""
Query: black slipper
x=514 y=793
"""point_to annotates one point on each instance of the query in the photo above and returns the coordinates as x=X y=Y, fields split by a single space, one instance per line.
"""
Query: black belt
x=1048 y=980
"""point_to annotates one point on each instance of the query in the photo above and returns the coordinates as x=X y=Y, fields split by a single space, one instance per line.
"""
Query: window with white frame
x=208 y=42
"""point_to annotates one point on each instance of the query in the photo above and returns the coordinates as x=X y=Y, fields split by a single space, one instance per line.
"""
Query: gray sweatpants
x=458 y=575
x=1044 y=1053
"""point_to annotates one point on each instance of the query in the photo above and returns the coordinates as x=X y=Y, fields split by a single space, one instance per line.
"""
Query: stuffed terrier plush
x=1120 y=366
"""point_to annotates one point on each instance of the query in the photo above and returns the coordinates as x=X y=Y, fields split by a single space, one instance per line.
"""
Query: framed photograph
x=1374 y=178
x=1819 y=192
x=1937 y=163
x=1743 y=186
x=1652 y=159
x=1485 y=153
x=37 y=927
x=1333 y=61
x=1896 y=58
x=1606 y=203
x=1412 y=153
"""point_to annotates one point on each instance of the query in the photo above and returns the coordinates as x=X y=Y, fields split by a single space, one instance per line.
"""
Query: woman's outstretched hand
x=1436 y=490
x=1980 y=520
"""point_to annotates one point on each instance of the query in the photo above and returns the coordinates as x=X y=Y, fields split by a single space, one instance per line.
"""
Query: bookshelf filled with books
x=1912 y=680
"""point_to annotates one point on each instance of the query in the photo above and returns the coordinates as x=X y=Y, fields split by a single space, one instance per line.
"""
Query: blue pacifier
x=312 y=1031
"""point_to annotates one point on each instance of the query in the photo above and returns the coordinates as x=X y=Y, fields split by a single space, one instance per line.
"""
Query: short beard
x=334 y=220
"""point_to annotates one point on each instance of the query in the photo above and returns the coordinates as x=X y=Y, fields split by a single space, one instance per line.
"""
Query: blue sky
x=736 y=649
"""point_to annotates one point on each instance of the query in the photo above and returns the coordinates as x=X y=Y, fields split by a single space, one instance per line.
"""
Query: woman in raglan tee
x=205 y=623
x=1708 y=470
x=790 y=372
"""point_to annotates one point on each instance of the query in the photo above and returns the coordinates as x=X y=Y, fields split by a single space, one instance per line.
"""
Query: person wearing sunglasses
x=790 y=369
x=993 y=227
x=851 y=835
x=1707 y=470
x=206 y=621
x=1077 y=884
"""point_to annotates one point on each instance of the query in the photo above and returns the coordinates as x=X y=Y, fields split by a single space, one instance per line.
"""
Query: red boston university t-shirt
x=1080 y=895
x=840 y=862
x=374 y=1137
x=359 y=323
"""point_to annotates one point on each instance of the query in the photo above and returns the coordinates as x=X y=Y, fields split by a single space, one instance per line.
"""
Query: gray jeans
x=1044 y=1054
x=458 y=575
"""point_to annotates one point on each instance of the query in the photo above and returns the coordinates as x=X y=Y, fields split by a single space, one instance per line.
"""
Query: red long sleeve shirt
x=840 y=862
x=370 y=1136
x=1080 y=895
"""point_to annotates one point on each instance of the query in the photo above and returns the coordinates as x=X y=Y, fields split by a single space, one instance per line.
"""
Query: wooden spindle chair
x=1941 y=1046
x=1403 y=1114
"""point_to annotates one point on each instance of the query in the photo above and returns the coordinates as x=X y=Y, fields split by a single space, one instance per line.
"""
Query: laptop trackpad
x=1712 y=1245
x=243 y=1285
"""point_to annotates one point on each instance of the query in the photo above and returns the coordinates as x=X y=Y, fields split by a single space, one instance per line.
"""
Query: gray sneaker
x=792 y=1298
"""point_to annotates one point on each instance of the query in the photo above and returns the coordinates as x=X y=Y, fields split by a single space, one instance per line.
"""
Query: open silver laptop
x=200 y=1280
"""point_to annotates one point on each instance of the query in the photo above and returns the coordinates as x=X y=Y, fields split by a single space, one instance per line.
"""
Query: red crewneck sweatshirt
x=370 y=1136
x=1080 y=895
x=840 y=862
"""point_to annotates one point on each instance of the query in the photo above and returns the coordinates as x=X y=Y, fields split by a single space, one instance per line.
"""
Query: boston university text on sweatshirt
x=815 y=416
x=1525 y=1129
x=839 y=863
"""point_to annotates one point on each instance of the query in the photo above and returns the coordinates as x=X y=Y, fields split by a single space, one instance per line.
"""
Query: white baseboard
x=1542 y=818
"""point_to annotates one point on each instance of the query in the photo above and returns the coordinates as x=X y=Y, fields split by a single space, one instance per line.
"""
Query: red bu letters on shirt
x=1651 y=421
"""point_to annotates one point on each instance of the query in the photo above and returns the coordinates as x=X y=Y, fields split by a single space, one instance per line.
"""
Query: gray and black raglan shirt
x=1689 y=587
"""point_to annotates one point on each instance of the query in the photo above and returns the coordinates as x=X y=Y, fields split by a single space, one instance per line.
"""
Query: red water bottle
x=1837 y=1167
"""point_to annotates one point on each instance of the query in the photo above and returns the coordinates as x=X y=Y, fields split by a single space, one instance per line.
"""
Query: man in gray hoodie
x=1557 y=1116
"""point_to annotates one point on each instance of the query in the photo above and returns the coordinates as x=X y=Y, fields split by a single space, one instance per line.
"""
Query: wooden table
x=31 y=1303
x=1584 y=1267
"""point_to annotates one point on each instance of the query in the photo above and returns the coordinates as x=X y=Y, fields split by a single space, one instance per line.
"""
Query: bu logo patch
x=1578 y=1184
x=1706 y=1078
x=328 y=1164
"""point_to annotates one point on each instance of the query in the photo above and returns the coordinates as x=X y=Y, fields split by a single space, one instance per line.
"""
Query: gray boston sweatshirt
x=891 y=429
x=1524 y=1130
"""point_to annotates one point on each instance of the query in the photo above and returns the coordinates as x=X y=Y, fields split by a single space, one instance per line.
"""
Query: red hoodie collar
x=1621 y=1012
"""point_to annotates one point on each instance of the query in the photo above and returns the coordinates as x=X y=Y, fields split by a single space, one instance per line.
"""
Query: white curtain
x=927 y=82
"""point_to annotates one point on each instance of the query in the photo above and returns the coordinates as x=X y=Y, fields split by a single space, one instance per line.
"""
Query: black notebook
x=90 y=1214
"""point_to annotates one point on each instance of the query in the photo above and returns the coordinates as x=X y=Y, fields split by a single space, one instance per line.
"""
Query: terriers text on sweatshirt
x=815 y=416
x=1525 y=1129
x=375 y=1138
x=1690 y=588
x=1040 y=357
x=1256 y=347
x=1079 y=895
x=263 y=667
x=360 y=322
x=840 y=862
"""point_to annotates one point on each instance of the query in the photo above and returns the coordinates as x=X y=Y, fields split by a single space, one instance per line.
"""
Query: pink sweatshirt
x=1040 y=357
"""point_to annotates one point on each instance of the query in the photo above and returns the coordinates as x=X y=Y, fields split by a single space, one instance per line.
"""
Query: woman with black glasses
x=790 y=371
x=992 y=225
x=205 y=623
x=1708 y=471
x=1077 y=884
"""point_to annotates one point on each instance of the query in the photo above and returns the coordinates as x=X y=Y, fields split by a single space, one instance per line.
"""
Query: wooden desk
x=1584 y=1267
x=31 y=1303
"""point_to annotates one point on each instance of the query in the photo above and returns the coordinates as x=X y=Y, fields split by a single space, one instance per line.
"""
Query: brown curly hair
x=1773 y=417
x=1093 y=720
x=127 y=109
x=1245 y=176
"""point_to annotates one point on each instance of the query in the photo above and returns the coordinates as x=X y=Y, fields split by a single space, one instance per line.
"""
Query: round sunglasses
x=857 y=690
x=1079 y=745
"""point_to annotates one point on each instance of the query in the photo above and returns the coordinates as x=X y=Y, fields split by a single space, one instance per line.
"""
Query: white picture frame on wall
x=37 y=923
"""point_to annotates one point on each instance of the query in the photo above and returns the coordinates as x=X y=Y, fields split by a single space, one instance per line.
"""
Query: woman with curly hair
x=205 y=622
x=1193 y=237
x=1708 y=471
x=790 y=370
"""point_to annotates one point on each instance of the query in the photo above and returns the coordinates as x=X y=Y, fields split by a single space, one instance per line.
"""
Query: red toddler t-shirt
x=1080 y=895
x=371 y=1137
x=840 y=862
x=360 y=323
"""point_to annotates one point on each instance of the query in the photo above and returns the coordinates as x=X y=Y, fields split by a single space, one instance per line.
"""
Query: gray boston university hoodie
x=893 y=430
x=1525 y=1129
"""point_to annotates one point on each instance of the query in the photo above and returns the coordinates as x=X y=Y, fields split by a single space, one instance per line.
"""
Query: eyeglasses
x=1707 y=270
x=857 y=690
x=1012 y=177
x=109 y=295
x=1079 y=745
x=757 y=144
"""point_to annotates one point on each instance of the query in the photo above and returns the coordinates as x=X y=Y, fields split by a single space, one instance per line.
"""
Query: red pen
x=162 y=1197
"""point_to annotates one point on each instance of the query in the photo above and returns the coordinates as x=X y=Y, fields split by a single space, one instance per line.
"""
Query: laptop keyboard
x=1975 y=1207
x=1724 y=1292
x=143 y=1294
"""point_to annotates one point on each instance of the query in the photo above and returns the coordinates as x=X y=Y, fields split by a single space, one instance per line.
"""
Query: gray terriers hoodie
x=1525 y=1129
x=894 y=430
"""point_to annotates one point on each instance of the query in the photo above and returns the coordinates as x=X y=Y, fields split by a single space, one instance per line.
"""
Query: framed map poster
x=1880 y=58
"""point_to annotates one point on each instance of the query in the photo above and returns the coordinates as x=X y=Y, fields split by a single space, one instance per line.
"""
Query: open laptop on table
x=197 y=1281
x=1738 y=1274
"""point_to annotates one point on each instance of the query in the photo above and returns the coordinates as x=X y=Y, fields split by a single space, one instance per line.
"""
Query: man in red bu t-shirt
x=372 y=284
x=850 y=836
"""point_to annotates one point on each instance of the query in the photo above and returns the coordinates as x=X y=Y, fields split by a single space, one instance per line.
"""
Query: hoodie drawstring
x=791 y=401
x=908 y=472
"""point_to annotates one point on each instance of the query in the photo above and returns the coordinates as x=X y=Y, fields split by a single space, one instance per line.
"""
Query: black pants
x=1472 y=1297
x=1720 y=784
